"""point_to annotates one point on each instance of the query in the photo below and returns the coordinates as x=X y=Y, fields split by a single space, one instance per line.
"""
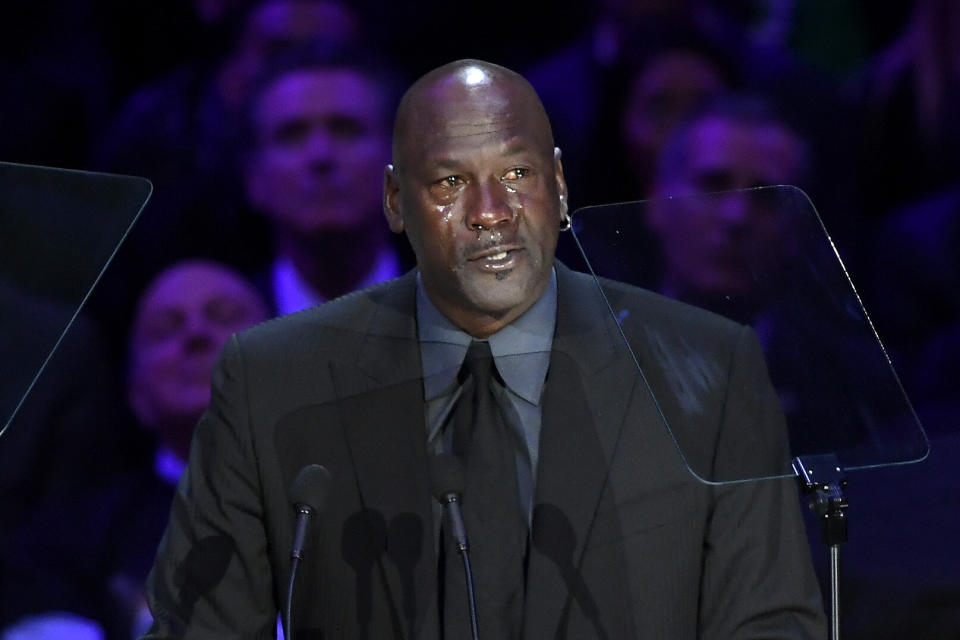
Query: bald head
x=467 y=97
x=183 y=320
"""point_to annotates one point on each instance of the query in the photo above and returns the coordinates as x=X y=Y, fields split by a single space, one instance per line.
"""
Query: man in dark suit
x=624 y=542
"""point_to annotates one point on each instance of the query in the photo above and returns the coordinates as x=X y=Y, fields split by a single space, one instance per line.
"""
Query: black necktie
x=491 y=509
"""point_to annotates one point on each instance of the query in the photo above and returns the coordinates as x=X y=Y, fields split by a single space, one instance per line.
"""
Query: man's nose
x=489 y=206
x=734 y=208
x=319 y=148
x=197 y=333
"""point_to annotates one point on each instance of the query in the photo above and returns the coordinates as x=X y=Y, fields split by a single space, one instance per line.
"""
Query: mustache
x=487 y=239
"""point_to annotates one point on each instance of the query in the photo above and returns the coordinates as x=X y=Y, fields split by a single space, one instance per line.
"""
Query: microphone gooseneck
x=447 y=482
x=308 y=495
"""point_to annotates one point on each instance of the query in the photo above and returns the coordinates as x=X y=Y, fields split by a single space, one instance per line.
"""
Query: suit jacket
x=626 y=542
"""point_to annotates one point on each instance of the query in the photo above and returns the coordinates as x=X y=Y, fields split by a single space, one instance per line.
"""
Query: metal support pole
x=823 y=480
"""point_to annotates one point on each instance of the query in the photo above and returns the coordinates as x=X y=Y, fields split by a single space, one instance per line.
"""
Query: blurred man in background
x=88 y=577
x=320 y=135
x=717 y=247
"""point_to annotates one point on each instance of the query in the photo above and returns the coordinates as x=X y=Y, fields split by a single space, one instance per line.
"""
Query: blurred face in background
x=322 y=140
x=721 y=245
x=275 y=25
x=182 y=322
x=662 y=94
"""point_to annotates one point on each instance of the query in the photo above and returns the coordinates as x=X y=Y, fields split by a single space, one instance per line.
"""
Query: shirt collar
x=521 y=350
x=168 y=465
x=293 y=293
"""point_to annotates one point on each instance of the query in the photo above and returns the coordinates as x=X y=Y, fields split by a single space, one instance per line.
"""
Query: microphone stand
x=471 y=598
x=451 y=505
x=822 y=478
x=296 y=554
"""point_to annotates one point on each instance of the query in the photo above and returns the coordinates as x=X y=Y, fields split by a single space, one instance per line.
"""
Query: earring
x=565 y=222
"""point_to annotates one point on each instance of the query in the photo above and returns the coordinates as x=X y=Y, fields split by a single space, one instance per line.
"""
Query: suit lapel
x=588 y=391
x=380 y=402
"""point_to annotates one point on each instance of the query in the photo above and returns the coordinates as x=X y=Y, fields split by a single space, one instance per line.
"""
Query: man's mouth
x=497 y=258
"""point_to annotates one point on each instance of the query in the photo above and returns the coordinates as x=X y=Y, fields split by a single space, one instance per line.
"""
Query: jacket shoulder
x=383 y=307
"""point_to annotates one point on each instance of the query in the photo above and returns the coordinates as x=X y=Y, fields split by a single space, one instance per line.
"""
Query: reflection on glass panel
x=761 y=257
x=60 y=229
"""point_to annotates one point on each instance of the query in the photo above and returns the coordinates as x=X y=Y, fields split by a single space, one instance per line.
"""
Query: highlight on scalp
x=421 y=94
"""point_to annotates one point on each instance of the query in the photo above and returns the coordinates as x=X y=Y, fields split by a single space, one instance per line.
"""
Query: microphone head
x=311 y=487
x=446 y=476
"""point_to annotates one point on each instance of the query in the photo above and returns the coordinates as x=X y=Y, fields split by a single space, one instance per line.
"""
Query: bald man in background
x=93 y=570
x=621 y=540
x=184 y=318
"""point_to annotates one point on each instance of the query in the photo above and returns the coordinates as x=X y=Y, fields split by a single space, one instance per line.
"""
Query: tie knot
x=479 y=361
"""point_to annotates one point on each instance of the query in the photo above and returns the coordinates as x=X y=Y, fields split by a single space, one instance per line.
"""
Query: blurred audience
x=663 y=90
x=910 y=96
x=717 y=248
x=759 y=256
x=180 y=130
x=56 y=80
x=319 y=138
x=915 y=286
x=70 y=416
x=747 y=255
x=584 y=84
x=183 y=131
x=88 y=554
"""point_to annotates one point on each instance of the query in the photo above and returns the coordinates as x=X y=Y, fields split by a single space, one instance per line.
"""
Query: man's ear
x=391 y=199
x=561 y=181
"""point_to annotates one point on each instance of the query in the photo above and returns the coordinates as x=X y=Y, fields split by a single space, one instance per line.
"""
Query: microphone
x=447 y=481
x=308 y=494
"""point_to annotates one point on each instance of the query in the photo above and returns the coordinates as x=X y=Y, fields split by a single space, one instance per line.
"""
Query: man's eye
x=346 y=127
x=516 y=173
x=446 y=188
x=291 y=133
x=162 y=326
x=450 y=181
x=225 y=312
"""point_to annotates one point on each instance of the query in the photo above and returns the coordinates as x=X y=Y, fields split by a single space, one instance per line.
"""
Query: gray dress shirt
x=521 y=353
